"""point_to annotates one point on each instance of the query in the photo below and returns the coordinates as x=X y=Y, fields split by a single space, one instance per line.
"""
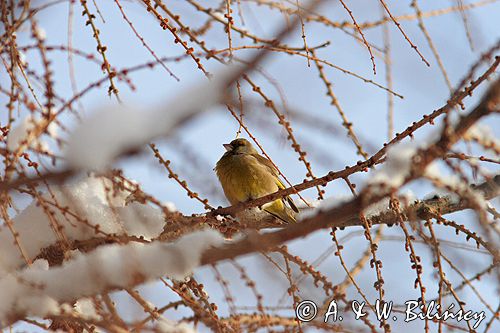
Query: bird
x=245 y=175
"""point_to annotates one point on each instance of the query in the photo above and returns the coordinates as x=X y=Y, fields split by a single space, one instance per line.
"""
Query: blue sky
x=423 y=89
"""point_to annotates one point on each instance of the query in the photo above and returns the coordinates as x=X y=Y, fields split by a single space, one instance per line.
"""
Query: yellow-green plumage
x=246 y=175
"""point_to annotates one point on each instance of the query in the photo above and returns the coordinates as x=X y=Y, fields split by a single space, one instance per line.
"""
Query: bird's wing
x=267 y=163
x=272 y=169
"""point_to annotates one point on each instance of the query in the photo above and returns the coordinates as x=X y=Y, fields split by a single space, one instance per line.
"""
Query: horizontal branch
x=361 y=165
x=348 y=216
x=333 y=217
x=419 y=210
x=425 y=209
x=39 y=290
x=129 y=277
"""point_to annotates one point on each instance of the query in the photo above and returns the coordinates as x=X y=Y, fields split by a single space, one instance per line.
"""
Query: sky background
x=423 y=88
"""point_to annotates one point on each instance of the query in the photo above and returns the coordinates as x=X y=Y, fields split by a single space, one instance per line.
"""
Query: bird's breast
x=243 y=177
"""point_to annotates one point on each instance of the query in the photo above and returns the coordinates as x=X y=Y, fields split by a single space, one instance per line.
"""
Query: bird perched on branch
x=245 y=175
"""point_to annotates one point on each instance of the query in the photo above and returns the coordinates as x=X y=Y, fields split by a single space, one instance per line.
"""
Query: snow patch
x=19 y=134
x=38 y=291
x=93 y=203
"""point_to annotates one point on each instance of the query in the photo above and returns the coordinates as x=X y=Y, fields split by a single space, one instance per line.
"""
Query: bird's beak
x=228 y=146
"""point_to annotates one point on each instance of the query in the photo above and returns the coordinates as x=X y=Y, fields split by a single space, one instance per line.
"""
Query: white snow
x=483 y=134
x=40 y=33
x=167 y=326
x=38 y=291
x=141 y=220
x=318 y=206
x=399 y=160
x=104 y=136
x=219 y=15
x=88 y=199
x=22 y=58
x=377 y=208
x=456 y=185
x=86 y=309
x=337 y=201
x=170 y=206
x=19 y=134
x=383 y=205
x=397 y=165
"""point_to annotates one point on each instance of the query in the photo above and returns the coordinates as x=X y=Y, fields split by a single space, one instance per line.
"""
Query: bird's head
x=239 y=146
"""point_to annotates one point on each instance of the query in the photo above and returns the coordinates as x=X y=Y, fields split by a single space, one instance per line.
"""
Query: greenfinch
x=245 y=175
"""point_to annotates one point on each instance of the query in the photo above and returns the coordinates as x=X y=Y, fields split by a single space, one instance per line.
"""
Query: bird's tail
x=280 y=211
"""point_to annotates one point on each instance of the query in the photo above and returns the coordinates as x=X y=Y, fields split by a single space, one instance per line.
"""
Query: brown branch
x=333 y=216
x=419 y=210
x=345 y=215
x=361 y=166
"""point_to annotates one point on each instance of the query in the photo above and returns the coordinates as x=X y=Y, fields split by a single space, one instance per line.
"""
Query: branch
x=59 y=176
x=334 y=216
x=337 y=217
x=48 y=287
x=365 y=165
x=38 y=291
x=425 y=209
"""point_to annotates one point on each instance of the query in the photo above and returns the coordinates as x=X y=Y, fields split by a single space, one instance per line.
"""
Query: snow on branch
x=78 y=248
x=39 y=291
x=397 y=165
x=421 y=158
x=83 y=210
x=19 y=135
